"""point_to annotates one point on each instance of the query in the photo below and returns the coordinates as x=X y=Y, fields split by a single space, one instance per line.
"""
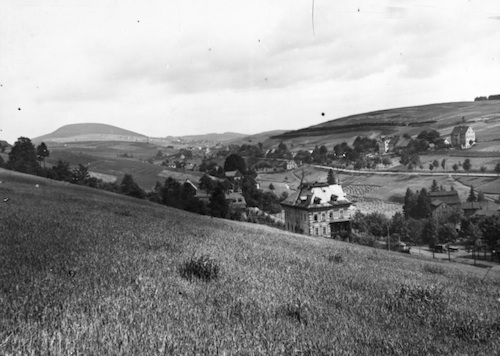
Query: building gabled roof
x=317 y=196
x=233 y=174
x=449 y=197
x=459 y=130
x=403 y=142
x=471 y=205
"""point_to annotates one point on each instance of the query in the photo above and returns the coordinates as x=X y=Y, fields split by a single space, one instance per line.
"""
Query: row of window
x=330 y=215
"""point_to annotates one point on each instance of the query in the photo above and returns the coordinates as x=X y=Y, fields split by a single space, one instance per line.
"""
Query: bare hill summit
x=90 y=132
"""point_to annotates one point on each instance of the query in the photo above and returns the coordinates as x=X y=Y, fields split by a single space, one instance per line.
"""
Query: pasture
x=90 y=272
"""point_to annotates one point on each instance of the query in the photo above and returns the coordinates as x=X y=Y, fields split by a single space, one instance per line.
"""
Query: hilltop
x=483 y=116
x=90 y=132
x=127 y=276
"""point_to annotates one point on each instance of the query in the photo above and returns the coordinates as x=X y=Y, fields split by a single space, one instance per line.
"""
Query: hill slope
x=483 y=116
x=90 y=272
x=90 y=132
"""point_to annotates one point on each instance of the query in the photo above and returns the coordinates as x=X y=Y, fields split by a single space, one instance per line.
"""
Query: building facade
x=318 y=209
x=463 y=137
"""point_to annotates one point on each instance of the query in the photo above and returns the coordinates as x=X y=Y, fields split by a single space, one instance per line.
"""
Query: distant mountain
x=213 y=137
x=90 y=132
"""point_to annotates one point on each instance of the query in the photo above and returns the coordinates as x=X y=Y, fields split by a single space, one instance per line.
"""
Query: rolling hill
x=483 y=116
x=91 y=272
x=90 y=132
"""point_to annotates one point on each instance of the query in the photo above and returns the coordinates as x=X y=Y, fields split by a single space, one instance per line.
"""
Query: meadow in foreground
x=88 y=272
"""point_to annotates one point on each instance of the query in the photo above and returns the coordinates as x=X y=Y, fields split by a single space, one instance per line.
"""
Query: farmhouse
x=318 y=209
x=440 y=210
x=463 y=137
x=450 y=198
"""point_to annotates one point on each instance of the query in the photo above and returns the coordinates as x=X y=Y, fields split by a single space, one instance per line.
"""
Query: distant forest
x=491 y=97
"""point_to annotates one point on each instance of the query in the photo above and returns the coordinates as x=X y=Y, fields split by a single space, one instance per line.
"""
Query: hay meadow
x=85 y=272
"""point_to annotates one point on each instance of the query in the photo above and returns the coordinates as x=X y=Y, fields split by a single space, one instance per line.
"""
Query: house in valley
x=231 y=188
x=463 y=137
x=318 y=209
x=291 y=164
x=444 y=203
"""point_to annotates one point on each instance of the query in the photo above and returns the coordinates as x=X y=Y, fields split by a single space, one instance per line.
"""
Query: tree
x=435 y=163
x=490 y=229
x=472 y=195
x=431 y=167
x=80 y=175
x=423 y=207
x=483 y=169
x=42 y=152
x=62 y=172
x=434 y=186
x=431 y=233
x=235 y=162
x=331 y=177
x=467 y=165
x=386 y=161
x=497 y=168
x=129 y=187
x=480 y=196
x=218 y=205
x=409 y=204
x=22 y=157
x=455 y=167
x=443 y=163
x=171 y=193
x=271 y=186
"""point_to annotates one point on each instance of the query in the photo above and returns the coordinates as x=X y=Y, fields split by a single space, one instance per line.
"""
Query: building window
x=323 y=217
x=341 y=213
x=324 y=230
x=317 y=231
x=331 y=215
x=315 y=217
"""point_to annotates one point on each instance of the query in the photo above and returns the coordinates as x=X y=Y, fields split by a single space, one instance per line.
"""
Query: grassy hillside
x=483 y=116
x=88 y=272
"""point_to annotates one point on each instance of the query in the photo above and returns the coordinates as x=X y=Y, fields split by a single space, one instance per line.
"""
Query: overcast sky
x=179 y=67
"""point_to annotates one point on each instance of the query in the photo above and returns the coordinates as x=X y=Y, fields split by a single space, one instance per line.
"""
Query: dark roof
x=403 y=142
x=449 y=197
x=471 y=205
x=460 y=130
x=436 y=203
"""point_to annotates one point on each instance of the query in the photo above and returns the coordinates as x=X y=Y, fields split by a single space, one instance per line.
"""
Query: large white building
x=318 y=209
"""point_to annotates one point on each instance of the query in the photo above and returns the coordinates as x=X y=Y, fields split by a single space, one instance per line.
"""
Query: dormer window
x=333 y=197
x=317 y=200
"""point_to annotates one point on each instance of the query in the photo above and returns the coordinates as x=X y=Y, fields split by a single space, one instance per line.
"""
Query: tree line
x=27 y=158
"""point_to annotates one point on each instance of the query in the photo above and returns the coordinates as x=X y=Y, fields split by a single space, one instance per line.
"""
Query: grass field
x=90 y=272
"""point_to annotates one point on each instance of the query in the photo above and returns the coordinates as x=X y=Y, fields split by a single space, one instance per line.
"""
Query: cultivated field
x=90 y=272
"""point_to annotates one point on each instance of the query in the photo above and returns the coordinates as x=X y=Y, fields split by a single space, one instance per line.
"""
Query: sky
x=186 y=67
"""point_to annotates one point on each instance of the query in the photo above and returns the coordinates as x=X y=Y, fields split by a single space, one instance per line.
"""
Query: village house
x=463 y=137
x=232 y=190
x=318 y=209
x=444 y=203
x=291 y=164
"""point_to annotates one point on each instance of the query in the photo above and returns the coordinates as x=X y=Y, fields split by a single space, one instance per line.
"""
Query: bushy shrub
x=434 y=269
x=202 y=267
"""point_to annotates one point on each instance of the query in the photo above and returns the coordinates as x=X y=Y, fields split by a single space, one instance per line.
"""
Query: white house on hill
x=463 y=137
